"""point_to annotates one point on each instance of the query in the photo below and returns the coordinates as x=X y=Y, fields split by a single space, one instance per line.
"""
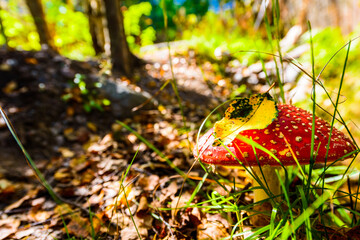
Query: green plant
x=223 y=36
x=315 y=207
x=19 y=29
x=139 y=32
x=71 y=30
x=85 y=93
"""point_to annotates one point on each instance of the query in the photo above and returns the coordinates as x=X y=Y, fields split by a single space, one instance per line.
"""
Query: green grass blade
x=307 y=220
x=29 y=160
x=197 y=189
x=255 y=233
x=354 y=220
x=286 y=195
x=312 y=159
x=305 y=215
x=157 y=151
x=123 y=190
x=337 y=102
x=276 y=231
x=272 y=220
x=276 y=14
x=91 y=214
x=161 y=219
x=173 y=81
x=65 y=227
x=258 y=233
x=270 y=39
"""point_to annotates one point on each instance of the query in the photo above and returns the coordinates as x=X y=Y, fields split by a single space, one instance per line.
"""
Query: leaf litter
x=85 y=156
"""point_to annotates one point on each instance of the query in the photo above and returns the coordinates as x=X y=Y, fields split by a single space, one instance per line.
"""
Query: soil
x=47 y=111
x=106 y=177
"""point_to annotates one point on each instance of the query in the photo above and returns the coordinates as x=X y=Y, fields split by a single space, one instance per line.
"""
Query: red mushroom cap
x=290 y=130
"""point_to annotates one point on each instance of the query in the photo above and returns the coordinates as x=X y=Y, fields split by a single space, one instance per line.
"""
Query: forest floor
x=84 y=155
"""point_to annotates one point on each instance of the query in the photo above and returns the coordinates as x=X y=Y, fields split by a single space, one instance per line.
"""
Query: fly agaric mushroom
x=288 y=137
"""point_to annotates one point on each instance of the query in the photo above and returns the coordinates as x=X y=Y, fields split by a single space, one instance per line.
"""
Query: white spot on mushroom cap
x=298 y=140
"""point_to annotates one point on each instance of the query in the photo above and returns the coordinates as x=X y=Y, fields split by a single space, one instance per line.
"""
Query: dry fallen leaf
x=255 y=112
x=103 y=145
x=148 y=183
x=130 y=233
x=79 y=163
x=6 y=188
x=23 y=233
x=69 y=134
x=91 y=126
x=168 y=191
x=179 y=202
x=31 y=194
x=66 y=153
x=87 y=176
x=63 y=175
x=37 y=215
x=10 y=87
x=79 y=227
x=95 y=199
x=211 y=230
x=143 y=207
x=31 y=60
x=8 y=226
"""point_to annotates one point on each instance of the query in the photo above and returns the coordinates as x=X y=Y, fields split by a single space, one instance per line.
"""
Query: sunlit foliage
x=18 y=27
x=138 y=34
x=70 y=27
x=72 y=34
x=223 y=37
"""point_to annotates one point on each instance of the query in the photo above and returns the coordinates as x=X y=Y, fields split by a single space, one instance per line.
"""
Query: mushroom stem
x=271 y=182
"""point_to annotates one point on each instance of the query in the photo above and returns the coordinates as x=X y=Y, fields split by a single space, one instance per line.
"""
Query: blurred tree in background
x=37 y=12
x=122 y=59
x=78 y=28
x=93 y=9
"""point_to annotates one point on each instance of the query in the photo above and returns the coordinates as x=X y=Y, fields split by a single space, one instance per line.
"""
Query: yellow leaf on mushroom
x=255 y=112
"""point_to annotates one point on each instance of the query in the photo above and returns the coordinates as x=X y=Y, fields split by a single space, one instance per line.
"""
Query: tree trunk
x=122 y=59
x=37 y=12
x=96 y=26
x=3 y=32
